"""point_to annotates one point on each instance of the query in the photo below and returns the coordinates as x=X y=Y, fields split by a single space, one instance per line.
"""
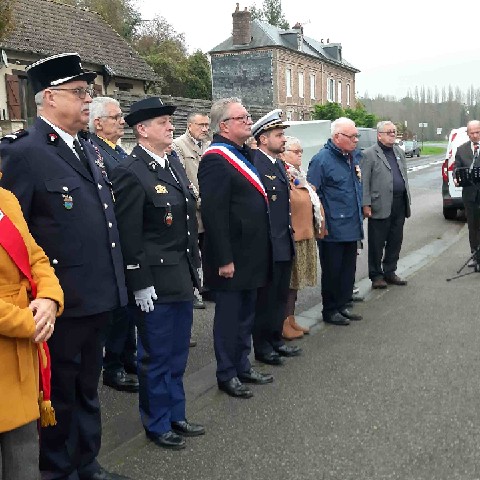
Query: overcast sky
x=395 y=45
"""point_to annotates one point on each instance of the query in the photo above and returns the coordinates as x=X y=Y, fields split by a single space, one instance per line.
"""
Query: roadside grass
x=430 y=150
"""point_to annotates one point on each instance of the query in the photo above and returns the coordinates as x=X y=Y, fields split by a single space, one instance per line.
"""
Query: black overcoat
x=158 y=227
x=70 y=214
x=274 y=178
x=235 y=217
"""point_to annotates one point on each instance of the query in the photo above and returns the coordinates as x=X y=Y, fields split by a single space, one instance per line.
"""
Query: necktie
x=81 y=155
x=475 y=151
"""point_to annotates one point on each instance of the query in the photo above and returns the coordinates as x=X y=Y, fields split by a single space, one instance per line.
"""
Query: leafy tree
x=121 y=15
x=361 y=117
x=165 y=51
x=198 y=83
x=329 y=111
x=271 y=12
x=6 y=17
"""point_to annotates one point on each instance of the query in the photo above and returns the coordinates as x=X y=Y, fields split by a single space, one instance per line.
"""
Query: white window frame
x=348 y=94
x=312 y=86
x=339 y=92
x=301 y=85
x=330 y=89
x=288 y=82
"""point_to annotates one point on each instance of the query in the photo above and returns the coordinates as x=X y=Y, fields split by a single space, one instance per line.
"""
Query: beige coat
x=190 y=155
x=18 y=354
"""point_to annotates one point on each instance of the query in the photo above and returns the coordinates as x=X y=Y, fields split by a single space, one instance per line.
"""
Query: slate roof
x=266 y=35
x=44 y=28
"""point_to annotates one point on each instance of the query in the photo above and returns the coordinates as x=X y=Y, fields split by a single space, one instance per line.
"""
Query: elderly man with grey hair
x=335 y=173
x=386 y=204
x=106 y=127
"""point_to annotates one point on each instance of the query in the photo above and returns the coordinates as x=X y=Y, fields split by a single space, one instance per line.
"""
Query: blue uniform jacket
x=70 y=215
x=339 y=188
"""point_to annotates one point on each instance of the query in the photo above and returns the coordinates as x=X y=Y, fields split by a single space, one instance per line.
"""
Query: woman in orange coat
x=307 y=224
x=24 y=324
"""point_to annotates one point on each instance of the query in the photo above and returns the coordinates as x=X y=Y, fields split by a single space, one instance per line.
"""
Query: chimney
x=299 y=28
x=242 y=30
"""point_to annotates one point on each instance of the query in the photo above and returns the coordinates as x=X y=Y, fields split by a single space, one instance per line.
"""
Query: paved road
x=392 y=397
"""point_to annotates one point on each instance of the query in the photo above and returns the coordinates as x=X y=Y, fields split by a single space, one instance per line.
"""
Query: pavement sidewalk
x=394 y=396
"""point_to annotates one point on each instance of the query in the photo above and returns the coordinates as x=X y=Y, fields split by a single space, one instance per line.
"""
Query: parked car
x=412 y=148
x=399 y=143
x=452 y=195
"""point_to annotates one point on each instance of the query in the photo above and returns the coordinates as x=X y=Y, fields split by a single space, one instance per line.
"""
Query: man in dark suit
x=467 y=156
x=68 y=206
x=386 y=204
x=155 y=208
x=236 y=246
x=106 y=127
x=268 y=343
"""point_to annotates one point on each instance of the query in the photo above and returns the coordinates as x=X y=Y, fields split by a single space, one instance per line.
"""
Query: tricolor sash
x=14 y=244
x=240 y=163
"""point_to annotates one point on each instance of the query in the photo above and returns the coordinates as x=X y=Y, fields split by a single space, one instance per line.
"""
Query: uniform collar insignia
x=52 y=138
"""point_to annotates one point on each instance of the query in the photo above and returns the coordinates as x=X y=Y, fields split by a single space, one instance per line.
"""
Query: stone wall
x=184 y=107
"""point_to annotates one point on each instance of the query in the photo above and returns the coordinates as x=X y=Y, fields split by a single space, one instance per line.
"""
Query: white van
x=452 y=195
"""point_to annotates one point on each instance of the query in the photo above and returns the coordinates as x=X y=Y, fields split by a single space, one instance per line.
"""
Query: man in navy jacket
x=68 y=205
x=335 y=172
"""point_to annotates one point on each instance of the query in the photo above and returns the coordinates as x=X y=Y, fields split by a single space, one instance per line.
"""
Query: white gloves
x=144 y=298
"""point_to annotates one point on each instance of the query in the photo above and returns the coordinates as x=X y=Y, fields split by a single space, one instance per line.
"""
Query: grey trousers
x=19 y=453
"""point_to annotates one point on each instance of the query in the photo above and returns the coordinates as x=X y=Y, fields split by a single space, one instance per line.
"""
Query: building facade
x=274 y=68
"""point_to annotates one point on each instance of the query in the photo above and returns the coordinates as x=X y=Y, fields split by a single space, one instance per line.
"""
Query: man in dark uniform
x=106 y=127
x=268 y=343
x=236 y=246
x=68 y=206
x=155 y=208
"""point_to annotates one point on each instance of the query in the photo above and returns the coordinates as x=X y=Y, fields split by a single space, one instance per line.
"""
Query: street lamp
x=422 y=126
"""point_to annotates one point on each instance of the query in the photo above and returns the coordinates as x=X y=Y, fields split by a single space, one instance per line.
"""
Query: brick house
x=270 y=67
x=43 y=28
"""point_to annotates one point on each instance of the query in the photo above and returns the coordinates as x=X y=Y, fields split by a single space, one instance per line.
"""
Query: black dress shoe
x=187 y=429
x=131 y=368
x=198 y=304
x=102 y=474
x=337 y=319
x=252 y=376
x=235 y=388
x=272 y=358
x=120 y=381
x=350 y=315
x=167 y=440
x=288 y=351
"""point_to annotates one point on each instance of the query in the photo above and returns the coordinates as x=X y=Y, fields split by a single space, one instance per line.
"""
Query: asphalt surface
x=394 y=396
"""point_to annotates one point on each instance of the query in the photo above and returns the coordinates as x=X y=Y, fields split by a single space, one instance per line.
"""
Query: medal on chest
x=168 y=219
x=67 y=201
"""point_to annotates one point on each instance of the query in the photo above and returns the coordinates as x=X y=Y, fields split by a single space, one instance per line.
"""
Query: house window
x=330 y=89
x=348 y=94
x=20 y=99
x=288 y=81
x=339 y=93
x=301 y=85
x=312 y=87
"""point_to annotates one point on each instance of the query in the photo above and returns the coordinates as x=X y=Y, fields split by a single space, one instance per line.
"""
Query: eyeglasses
x=389 y=132
x=296 y=152
x=351 y=137
x=80 y=92
x=203 y=125
x=116 y=117
x=242 y=118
